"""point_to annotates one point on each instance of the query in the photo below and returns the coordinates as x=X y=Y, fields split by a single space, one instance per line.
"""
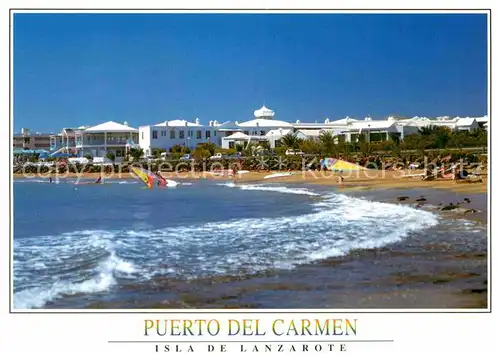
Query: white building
x=259 y=129
x=265 y=128
x=176 y=132
x=457 y=123
x=98 y=140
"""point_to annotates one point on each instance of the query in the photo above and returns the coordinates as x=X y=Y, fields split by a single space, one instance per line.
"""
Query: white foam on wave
x=171 y=183
x=338 y=225
x=32 y=180
x=227 y=184
x=278 y=189
x=71 y=255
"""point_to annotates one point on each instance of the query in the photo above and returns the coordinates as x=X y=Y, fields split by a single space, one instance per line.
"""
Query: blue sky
x=84 y=69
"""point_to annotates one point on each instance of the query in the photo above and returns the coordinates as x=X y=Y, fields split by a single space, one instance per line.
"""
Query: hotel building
x=31 y=141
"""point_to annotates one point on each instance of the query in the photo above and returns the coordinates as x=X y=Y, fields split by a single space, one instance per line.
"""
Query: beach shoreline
x=352 y=180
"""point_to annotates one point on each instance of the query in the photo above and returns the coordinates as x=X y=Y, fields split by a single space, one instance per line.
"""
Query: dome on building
x=264 y=112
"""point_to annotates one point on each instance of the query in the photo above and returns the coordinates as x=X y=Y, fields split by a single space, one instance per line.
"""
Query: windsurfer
x=161 y=180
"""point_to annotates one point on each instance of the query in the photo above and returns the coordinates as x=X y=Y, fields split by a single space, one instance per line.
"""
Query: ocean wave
x=227 y=184
x=269 y=188
x=67 y=261
x=337 y=225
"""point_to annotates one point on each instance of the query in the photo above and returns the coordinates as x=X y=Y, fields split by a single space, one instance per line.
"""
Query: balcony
x=100 y=143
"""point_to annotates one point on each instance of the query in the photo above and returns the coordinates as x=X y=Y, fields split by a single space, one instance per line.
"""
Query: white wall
x=164 y=141
x=145 y=139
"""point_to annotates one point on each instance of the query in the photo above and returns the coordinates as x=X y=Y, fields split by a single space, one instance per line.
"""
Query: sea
x=221 y=244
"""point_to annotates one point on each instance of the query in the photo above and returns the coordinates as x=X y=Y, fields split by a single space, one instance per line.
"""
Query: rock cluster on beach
x=457 y=207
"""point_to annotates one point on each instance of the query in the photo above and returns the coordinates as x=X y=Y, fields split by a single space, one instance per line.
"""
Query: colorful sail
x=144 y=175
x=333 y=164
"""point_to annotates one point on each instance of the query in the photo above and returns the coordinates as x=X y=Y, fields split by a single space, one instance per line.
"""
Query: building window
x=172 y=134
x=142 y=135
x=207 y=134
x=198 y=134
x=215 y=133
x=263 y=133
x=181 y=134
x=245 y=132
x=155 y=134
x=231 y=144
x=190 y=133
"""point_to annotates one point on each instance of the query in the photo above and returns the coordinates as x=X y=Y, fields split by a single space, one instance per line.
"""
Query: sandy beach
x=372 y=179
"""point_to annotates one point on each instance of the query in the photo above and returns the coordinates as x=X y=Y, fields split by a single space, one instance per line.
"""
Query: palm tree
x=426 y=130
x=209 y=146
x=310 y=146
x=327 y=142
x=136 y=153
x=290 y=140
x=265 y=145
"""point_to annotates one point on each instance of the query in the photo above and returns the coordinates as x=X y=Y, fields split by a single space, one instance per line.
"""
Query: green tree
x=310 y=146
x=239 y=147
x=265 y=145
x=209 y=146
x=290 y=140
x=110 y=156
x=136 y=153
x=200 y=153
x=327 y=143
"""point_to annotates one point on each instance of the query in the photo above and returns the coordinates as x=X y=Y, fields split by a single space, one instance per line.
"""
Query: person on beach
x=340 y=177
x=98 y=180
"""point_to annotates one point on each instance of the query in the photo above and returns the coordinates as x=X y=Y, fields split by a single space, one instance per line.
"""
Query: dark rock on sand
x=421 y=199
x=475 y=290
x=467 y=200
x=402 y=198
x=450 y=207
x=470 y=211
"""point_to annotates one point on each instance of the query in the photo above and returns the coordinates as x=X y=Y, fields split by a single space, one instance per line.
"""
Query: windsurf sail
x=340 y=165
x=144 y=175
